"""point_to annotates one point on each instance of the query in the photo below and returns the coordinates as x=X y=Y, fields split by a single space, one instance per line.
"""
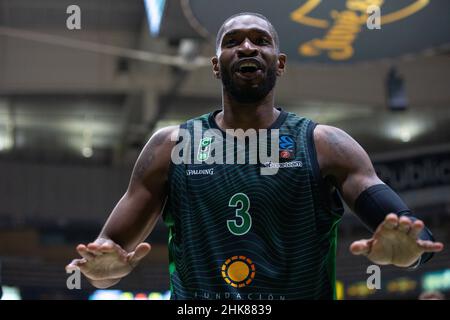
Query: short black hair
x=274 y=32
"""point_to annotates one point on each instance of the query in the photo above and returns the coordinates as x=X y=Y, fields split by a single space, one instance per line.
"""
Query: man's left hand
x=396 y=241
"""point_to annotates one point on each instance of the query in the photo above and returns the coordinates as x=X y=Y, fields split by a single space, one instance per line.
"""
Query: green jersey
x=237 y=234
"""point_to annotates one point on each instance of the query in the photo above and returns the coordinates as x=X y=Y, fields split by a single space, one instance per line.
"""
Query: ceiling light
x=87 y=152
x=155 y=11
x=405 y=135
x=405 y=130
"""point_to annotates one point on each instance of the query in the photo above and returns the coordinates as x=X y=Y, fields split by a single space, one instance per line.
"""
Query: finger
x=75 y=264
x=112 y=248
x=140 y=252
x=404 y=224
x=100 y=241
x=361 y=247
x=83 y=251
x=416 y=229
x=108 y=247
x=95 y=247
x=430 y=246
x=390 y=222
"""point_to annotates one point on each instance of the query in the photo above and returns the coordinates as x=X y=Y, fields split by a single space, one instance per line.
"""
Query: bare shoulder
x=161 y=142
x=166 y=135
x=334 y=142
x=154 y=160
x=338 y=153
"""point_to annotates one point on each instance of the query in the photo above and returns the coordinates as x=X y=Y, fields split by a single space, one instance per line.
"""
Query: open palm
x=106 y=260
x=396 y=241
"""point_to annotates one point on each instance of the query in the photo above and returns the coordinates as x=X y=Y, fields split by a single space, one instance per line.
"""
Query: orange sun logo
x=238 y=271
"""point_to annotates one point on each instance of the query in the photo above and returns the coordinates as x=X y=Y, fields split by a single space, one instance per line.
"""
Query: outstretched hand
x=396 y=241
x=105 y=260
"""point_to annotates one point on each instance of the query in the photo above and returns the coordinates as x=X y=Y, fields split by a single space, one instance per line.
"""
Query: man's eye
x=230 y=42
x=263 y=41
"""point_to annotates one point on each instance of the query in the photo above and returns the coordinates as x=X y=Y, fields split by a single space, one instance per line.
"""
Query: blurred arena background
x=77 y=106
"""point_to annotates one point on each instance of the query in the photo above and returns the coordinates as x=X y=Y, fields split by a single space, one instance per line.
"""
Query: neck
x=257 y=115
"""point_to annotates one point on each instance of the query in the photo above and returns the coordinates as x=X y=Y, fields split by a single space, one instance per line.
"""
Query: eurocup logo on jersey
x=287 y=148
x=212 y=146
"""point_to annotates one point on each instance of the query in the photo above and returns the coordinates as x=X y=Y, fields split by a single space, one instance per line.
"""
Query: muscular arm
x=342 y=159
x=398 y=238
x=138 y=210
x=119 y=247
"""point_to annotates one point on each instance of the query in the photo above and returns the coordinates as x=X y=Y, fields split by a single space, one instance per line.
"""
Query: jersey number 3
x=242 y=214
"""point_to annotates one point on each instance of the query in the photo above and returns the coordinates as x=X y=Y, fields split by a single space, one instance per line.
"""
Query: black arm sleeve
x=376 y=202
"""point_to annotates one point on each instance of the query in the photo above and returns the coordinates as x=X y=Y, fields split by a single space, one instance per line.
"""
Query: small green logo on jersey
x=204 y=150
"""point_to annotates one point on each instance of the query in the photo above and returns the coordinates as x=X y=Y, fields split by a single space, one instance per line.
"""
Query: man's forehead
x=247 y=22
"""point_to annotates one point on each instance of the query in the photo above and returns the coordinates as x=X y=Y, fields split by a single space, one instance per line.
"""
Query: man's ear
x=216 y=68
x=281 y=64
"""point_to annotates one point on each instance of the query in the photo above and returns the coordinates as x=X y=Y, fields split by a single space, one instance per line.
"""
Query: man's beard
x=249 y=94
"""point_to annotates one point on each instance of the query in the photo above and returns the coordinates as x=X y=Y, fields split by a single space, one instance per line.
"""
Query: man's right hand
x=104 y=262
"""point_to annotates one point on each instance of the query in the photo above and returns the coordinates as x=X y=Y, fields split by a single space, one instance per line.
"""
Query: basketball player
x=235 y=233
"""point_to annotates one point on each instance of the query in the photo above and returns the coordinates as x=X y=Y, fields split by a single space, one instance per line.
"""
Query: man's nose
x=247 y=49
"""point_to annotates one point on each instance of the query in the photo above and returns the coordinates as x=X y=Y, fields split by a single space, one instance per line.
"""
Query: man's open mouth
x=248 y=69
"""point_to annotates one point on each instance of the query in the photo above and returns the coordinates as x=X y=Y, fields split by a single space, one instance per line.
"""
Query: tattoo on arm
x=346 y=162
x=343 y=155
x=147 y=156
x=339 y=142
x=143 y=164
